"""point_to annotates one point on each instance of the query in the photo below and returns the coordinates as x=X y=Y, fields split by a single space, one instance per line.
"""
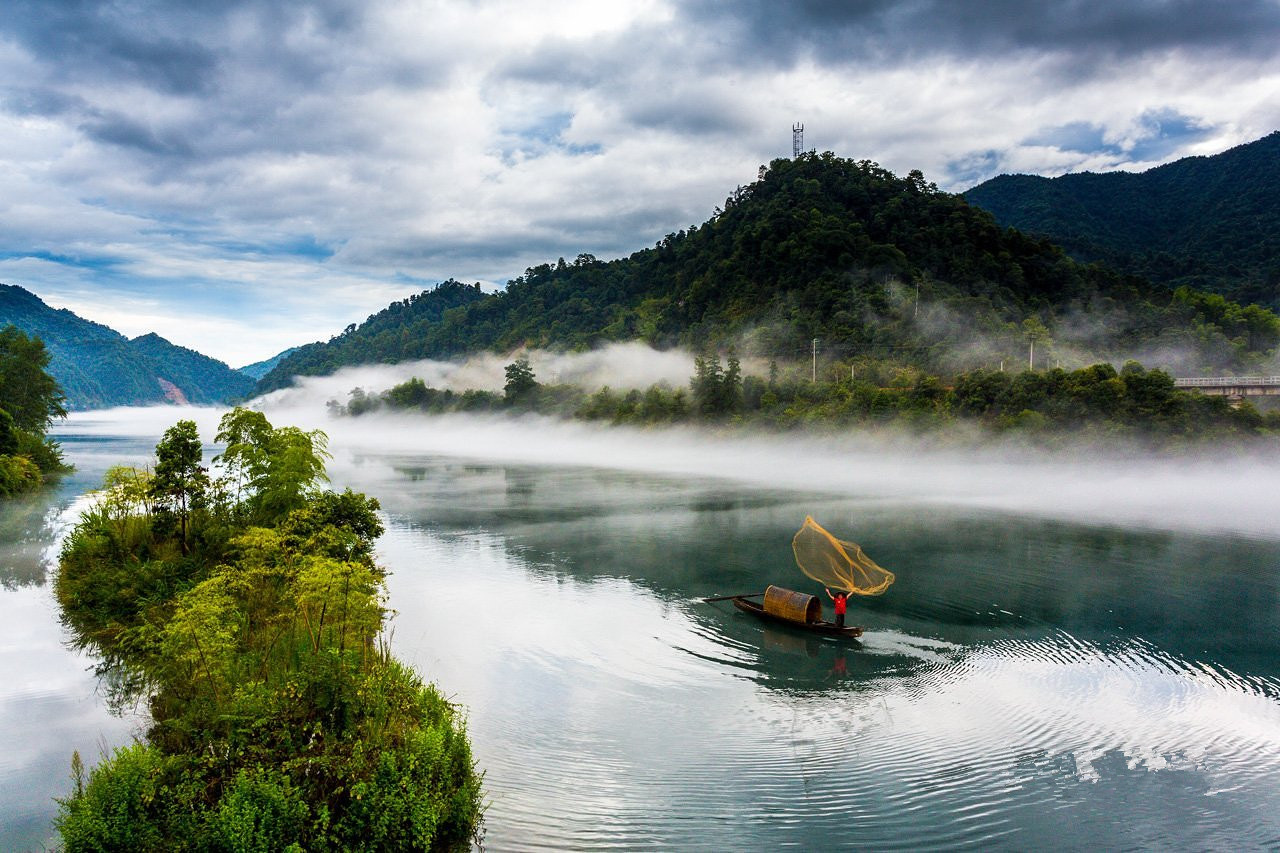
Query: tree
x=273 y=471
x=521 y=385
x=731 y=385
x=716 y=391
x=707 y=379
x=179 y=484
x=27 y=391
x=8 y=434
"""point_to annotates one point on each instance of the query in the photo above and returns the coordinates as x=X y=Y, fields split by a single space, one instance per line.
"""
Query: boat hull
x=829 y=629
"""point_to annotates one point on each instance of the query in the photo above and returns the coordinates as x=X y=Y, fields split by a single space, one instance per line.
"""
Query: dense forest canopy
x=1209 y=222
x=820 y=247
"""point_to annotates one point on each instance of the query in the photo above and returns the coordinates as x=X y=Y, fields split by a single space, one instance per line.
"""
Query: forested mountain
x=873 y=265
x=97 y=366
x=191 y=373
x=1209 y=222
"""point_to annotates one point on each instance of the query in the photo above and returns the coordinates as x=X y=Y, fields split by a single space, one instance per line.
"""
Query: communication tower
x=797 y=139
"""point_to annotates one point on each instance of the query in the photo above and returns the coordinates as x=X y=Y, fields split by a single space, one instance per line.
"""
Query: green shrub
x=261 y=812
x=116 y=810
x=18 y=474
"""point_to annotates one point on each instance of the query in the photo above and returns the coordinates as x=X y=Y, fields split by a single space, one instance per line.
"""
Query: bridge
x=1234 y=387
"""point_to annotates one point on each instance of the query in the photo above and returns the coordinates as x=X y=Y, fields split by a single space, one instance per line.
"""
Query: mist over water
x=1218 y=489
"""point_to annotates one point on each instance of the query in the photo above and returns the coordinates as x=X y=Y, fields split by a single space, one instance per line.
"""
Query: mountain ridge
x=1208 y=221
x=97 y=367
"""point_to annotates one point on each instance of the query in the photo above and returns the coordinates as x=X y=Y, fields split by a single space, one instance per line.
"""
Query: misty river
x=1071 y=661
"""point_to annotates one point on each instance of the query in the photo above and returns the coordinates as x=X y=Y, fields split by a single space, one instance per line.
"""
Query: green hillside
x=873 y=265
x=98 y=367
x=1209 y=222
x=200 y=378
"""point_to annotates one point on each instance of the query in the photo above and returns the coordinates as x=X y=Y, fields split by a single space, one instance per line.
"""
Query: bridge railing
x=1225 y=381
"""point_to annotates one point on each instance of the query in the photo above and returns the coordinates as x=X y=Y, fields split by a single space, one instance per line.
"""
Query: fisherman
x=841 y=598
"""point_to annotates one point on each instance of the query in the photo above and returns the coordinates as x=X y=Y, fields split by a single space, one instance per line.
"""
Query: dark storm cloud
x=840 y=31
x=100 y=40
x=177 y=47
x=259 y=74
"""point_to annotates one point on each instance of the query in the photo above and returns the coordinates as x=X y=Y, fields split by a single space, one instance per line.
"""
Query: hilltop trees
x=1208 y=222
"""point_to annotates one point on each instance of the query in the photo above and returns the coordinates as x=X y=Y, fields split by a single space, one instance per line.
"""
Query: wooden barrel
x=789 y=604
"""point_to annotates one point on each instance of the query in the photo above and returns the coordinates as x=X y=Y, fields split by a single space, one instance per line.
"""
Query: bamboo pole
x=727 y=597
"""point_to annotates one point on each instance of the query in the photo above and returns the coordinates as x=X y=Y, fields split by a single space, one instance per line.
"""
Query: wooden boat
x=796 y=609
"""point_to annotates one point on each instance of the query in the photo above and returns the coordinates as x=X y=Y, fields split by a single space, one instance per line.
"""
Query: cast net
x=837 y=564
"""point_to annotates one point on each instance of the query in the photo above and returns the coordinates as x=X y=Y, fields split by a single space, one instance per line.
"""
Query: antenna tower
x=797 y=139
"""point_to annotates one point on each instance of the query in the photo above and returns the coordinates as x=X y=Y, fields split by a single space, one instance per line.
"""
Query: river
x=1029 y=681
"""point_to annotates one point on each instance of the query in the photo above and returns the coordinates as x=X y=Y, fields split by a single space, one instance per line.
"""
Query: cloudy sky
x=243 y=176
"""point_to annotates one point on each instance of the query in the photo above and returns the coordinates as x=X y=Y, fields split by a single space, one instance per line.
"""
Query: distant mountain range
x=260 y=369
x=1209 y=222
x=98 y=367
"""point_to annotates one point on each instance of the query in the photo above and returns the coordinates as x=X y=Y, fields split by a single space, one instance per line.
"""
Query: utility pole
x=916 y=312
x=815 y=359
x=1031 y=359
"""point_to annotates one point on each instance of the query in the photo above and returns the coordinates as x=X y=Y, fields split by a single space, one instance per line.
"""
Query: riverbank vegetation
x=1045 y=407
x=248 y=610
x=30 y=400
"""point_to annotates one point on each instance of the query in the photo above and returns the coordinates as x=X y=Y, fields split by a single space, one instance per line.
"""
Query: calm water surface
x=1024 y=684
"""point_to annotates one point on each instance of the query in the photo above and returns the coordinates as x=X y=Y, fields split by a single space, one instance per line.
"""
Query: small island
x=247 y=611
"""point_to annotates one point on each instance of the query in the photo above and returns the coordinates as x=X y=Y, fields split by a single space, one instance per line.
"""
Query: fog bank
x=619 y=365
x=1220 y=491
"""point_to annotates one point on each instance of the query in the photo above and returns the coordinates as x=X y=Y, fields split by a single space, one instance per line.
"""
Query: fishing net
x=837 y=564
